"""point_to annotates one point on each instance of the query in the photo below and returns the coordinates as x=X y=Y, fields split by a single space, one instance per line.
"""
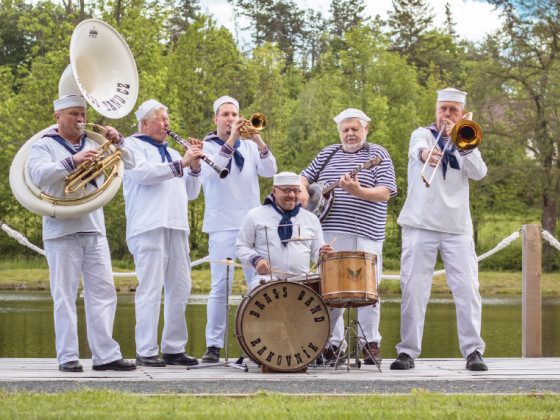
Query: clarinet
x=223 y=172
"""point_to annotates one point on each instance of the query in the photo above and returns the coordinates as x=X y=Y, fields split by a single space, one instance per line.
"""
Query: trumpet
x=254 y=125
x=465 y=135
x=223 y=172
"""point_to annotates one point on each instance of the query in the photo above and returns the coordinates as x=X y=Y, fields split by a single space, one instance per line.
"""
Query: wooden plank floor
x=21 y=370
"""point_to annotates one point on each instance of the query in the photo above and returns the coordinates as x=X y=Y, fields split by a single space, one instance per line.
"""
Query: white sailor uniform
x=156 y=197
x=73 y=247
x=438 y=219
x=227 y=202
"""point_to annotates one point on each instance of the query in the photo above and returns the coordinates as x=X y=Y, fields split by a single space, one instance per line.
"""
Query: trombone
x=466 y=135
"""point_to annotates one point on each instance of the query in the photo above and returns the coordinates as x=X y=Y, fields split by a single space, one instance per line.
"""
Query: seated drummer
x=263 y=241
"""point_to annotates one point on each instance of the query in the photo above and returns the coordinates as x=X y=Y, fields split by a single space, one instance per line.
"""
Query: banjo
x=321 y=194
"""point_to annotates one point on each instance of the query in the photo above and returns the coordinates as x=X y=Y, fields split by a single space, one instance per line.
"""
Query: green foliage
x=303 y=70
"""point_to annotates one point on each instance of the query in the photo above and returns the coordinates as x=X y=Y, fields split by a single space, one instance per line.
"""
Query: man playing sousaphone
x=357 y=218
x=263 y=242
x=78 y=245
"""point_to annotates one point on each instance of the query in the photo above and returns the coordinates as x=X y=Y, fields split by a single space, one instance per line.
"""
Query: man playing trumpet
x=227 y=202
x=438 y=219
x=78 y=246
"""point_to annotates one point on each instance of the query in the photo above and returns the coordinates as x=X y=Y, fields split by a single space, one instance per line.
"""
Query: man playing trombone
x=435 y=219
x=78 y=245
x=226 y=203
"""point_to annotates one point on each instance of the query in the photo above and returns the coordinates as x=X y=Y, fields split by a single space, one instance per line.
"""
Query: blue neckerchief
x=162 y=147
x=237 y=156
x=448 y=156
x=285 y=228
x=72 y=150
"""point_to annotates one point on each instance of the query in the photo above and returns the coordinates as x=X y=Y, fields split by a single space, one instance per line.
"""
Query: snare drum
x=282 y=325
x=309 y=280
x=348 y=279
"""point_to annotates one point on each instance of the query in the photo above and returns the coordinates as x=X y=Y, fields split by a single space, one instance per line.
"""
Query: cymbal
x=229 y=262
x=299 y=239
x=234 y=264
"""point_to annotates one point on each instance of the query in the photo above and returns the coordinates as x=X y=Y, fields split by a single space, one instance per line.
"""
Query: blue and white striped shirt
x=351 y=214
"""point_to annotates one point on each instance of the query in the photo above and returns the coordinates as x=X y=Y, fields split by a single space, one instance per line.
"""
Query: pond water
x=27 y=327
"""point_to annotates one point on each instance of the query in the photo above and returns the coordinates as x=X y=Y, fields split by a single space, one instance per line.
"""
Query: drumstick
x=315 y=265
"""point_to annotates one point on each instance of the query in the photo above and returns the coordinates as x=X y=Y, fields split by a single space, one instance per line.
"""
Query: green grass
x=419 y=405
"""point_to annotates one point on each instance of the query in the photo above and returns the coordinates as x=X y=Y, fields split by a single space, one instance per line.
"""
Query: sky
x=474 y=19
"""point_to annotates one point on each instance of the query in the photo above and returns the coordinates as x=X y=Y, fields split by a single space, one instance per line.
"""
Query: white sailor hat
x=69 y=101
x=351 y=113
x=224 y=100
x=146 y=107
x=287 y=178
x=452 y=95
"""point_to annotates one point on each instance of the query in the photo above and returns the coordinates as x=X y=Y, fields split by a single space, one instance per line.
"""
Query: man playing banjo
x=357 y=217
x=263 y=242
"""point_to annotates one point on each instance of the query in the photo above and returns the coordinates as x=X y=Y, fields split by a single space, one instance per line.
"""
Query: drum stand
x=351 y=331
x=226 y=363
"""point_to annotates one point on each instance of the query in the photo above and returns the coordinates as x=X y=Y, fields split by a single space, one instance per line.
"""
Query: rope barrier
x=20 y=238
x=551 y=239
x=503 y=244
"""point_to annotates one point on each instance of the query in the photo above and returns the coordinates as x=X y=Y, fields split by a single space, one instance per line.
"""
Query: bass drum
x=282 y=325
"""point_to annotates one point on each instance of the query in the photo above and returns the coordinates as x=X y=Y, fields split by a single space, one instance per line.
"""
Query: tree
x=15 y=45
x=525 y=58
x=408 y=21
x=183 y=12
x=449 y=24
x=346 y=15
x=279 y=21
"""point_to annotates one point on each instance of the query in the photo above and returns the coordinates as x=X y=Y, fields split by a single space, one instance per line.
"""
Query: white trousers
x=419 y=253
x=68 y=257
x=368 y=316
x=220 y=247
x=162 y=261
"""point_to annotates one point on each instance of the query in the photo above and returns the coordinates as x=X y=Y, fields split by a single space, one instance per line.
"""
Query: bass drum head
x=282 y=325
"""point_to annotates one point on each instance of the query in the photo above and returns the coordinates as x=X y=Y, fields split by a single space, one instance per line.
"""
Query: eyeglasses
x=288 y=190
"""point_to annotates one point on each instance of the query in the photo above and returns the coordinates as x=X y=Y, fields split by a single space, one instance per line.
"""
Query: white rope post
x=532 y=291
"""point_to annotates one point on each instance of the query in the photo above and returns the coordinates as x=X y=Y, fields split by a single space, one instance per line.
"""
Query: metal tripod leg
x=352 y=330
x=226 y=362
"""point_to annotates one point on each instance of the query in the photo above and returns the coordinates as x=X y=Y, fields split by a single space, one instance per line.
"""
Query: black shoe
x=119 y=364
x=374 y=349
x=330 y=354
x=179 y=359
x=475 y=362
x=212 y=355
x=403 y=362
x=72 y=366
x=150 y=361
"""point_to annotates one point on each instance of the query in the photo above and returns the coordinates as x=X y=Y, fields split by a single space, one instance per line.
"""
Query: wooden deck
x=505 y=375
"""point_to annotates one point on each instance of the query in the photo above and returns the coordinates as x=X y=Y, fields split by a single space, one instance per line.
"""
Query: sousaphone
x=103 y=70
